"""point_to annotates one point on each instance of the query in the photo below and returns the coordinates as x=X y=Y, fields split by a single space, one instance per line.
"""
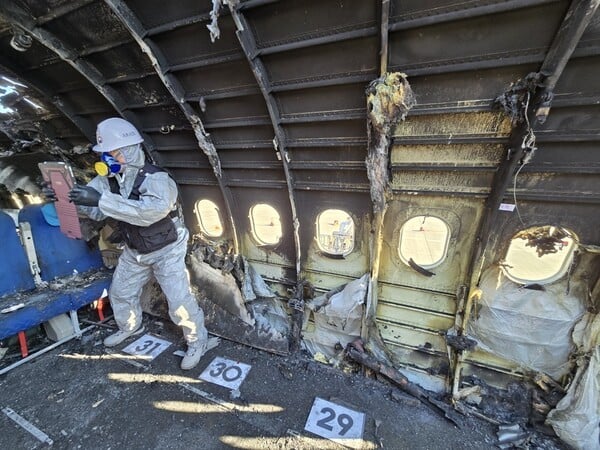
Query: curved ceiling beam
x=172 y=84
x=248 y=44
x=16 y=15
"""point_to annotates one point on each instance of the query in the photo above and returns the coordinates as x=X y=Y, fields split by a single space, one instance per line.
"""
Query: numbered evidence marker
x=334 y=422
x=225 y=372
x=147 y=347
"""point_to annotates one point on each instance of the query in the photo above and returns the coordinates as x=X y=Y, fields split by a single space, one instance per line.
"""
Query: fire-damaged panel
x=405 y=186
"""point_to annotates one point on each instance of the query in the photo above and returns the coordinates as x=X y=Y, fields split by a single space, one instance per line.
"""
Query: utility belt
x=151 y=238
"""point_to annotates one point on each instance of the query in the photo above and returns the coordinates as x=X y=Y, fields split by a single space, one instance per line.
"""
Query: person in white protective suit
x=143 y=199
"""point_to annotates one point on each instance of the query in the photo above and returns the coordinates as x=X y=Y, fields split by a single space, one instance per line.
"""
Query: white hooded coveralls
x=158 y=197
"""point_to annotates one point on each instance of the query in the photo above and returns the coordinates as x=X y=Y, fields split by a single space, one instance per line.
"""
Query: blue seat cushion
x=15 y=274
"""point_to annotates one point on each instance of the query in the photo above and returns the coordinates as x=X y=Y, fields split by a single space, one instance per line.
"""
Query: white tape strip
x=40 y=435
x=507 y=207
x=211 y=398
x=250 y=417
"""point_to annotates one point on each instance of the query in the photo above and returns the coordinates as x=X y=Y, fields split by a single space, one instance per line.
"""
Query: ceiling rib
x=329 y=165
x=233 y=123
x=426 y=18
x=243 y=145
x=248 y=43
x=248 y=4
x=132 y=77
x=224 y=93
x=479 y=62
x=190 y=20
x=132 y=23
x=15 y=14
x=324 y=116
x=328 y=142
x=208 y=61
x=177 y=24
x=334 y=80
x=321 y=40
x=103 y=47
x=62 y=10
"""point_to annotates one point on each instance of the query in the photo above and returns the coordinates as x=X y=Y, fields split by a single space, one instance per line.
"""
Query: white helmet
x=115 y=133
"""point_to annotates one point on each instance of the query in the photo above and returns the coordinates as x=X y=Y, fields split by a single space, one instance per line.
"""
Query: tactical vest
x=155 y=236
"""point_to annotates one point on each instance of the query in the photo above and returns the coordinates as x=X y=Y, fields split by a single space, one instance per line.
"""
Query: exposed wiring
x=528 y=144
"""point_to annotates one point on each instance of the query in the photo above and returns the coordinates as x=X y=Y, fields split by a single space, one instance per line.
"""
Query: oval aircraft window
x=424 y=239
x=266 y=224
x=335 y=231
x=539 y=255
x=209 y=218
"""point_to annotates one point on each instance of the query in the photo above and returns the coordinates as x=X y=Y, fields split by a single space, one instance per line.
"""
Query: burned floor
x=81 y=396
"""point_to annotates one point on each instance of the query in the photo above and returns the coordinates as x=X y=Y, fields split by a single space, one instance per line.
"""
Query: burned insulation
x=389 y=98
x=515 y=101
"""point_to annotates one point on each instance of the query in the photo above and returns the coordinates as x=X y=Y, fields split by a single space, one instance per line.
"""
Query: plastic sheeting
x=270 y=317
x=575 y=418
x=339 y=320
x=530 y=327
x=253 y=286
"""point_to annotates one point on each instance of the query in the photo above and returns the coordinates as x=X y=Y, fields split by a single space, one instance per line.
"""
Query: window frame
x=203 y=228
x=446 y=244
x=329 y=252
x=255 y=236
x=560 y=273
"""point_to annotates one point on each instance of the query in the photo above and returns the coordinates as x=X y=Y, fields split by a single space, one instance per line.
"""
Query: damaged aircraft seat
x=57 y=254
x=59 y=259
x=14 y=268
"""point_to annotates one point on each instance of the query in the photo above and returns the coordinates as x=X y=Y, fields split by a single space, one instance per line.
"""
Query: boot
x=192 y=357
x=120 y=336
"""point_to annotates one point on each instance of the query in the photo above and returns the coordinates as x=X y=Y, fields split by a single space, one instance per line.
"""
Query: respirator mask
x=107 y=166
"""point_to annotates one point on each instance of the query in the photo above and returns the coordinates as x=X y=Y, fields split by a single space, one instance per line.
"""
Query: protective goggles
x=107 y=166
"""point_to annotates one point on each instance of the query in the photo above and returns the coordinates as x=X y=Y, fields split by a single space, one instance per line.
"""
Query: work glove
x=116 y=237
x=84 y=195
x=48 y=193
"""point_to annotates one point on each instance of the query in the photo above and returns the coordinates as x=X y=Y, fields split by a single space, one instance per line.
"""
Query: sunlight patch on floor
x=202 y=408
x=149 y=378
